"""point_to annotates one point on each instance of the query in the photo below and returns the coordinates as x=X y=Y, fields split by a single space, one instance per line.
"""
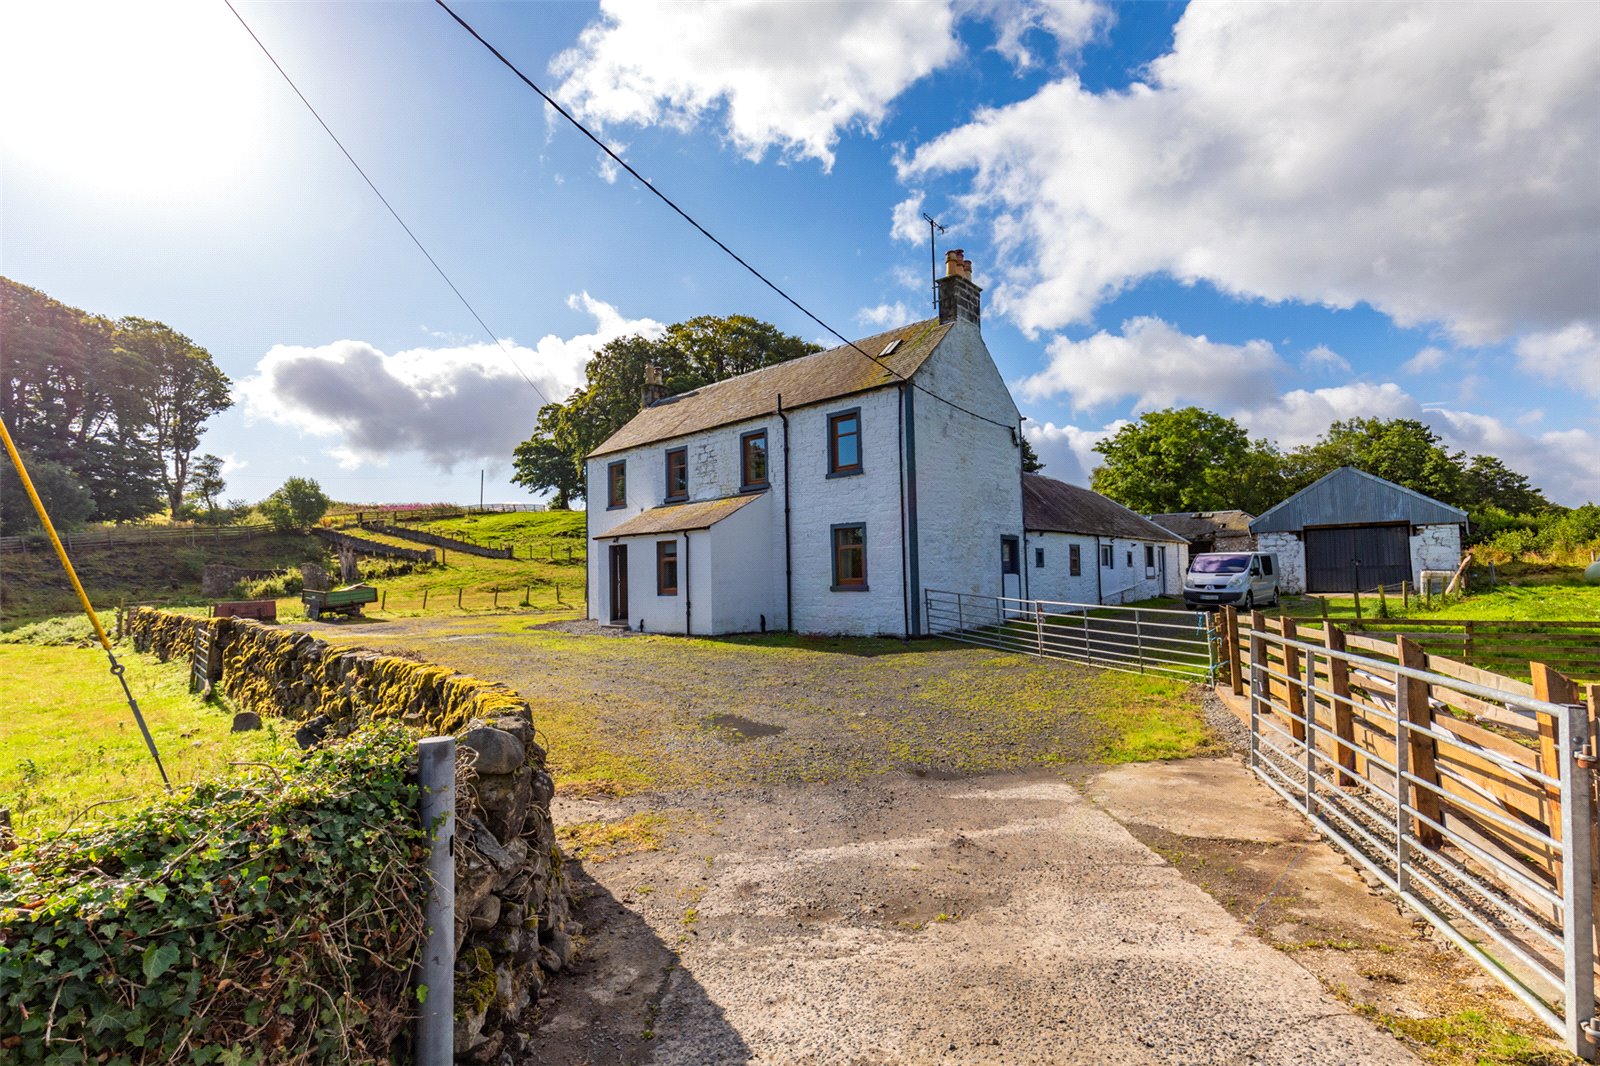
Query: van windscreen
x=1219 y=564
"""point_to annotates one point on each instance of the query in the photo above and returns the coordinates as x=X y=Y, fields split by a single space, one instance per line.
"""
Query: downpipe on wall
x=436 y=979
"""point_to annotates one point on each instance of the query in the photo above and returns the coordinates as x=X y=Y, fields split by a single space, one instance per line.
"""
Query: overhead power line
x=379 y=194
x=664 y=198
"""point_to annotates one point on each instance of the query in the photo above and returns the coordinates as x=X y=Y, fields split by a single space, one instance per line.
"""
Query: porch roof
x=680 y=517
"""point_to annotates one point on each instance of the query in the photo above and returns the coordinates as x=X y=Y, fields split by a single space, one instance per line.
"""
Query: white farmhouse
x=1085 y=548
x=820 y=495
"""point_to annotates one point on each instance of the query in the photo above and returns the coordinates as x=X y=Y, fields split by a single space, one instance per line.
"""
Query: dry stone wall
x=513 y=926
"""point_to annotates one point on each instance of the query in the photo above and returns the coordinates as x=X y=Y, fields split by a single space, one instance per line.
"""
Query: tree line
x=107 y=413
x=1189 y=459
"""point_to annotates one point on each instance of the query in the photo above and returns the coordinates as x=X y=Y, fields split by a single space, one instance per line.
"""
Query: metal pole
x=1577 y=882
x=436 y=979
x=1308 y=707
x=1138 y=639
x=1402 y=766
x=1258 y=693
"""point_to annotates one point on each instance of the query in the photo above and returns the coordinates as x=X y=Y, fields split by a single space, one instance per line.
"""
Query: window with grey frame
x=617 y=485
x=1075 y=560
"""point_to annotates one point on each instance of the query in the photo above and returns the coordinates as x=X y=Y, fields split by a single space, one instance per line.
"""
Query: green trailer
x=346 y=601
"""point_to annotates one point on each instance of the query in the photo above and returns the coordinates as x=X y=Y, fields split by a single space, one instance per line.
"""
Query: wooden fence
x=115 y=536
x=1353 y=706
x=1504 y=647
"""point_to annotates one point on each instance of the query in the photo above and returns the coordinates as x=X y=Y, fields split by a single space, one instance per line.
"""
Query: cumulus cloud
x=1157 y=366
x=1070 y=23
x=788 y=77
x=1324 y=360
x=450 y=404
x=1436 y=162
x=908 y=224
x=885 y=315
x=1068 y=451
x=1428 y=359
x=1569 y=357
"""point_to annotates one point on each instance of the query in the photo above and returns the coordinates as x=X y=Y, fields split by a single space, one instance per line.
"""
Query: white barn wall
x=1291 y=553
x=968 y=472
x=1054 y=580
x=1434 y=547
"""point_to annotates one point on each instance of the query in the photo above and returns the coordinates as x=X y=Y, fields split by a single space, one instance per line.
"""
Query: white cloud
x=886 y=315
x=1569 y=357
x=1157 y=366
x=908 y=224
x=789 y=77
x=1300 y=416
x=450 y=404
x=1068 y=451
x=1072 y=24
x=1435 y=161
x=1324 y=360
x=1428 y=359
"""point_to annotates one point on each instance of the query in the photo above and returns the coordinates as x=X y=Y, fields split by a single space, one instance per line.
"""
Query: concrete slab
x=1213 y=798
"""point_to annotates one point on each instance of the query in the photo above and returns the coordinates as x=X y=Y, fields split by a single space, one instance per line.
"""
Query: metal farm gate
x=1179 y=644
x=1463 y=793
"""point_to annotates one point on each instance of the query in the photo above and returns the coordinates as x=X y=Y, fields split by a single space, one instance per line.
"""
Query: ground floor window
x=1108 y=558
x=1075 y=560
x=1038 y=557
x=666 y=568
x=1009 y=563
x=850 y=557
x=1149 y=560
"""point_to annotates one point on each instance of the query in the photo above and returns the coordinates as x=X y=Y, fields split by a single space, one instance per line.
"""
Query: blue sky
x=1288 y=213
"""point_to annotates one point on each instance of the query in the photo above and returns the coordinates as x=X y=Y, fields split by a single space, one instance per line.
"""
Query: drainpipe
x=905 y=548
x=688 y=591
x=588 y=545
x=788 y=555
x=1099 y=573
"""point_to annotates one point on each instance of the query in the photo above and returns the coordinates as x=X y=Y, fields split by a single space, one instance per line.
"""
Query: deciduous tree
x=1187 y=460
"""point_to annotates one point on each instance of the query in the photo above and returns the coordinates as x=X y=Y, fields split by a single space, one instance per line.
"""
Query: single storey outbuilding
x=1210 y=531
x=1082 y=547
x=1353 y=530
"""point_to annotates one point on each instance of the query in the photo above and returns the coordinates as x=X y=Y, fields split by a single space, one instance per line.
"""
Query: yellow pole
x=117 y=669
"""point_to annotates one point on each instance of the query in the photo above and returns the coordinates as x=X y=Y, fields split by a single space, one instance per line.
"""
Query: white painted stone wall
x=820 y=502
x=969 y=472
x=744 y=574
x=1291 y=553
x=1054 y=580
x=1434 y=548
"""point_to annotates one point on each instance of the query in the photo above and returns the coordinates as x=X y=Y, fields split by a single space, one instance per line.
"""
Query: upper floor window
x=850 y=557
x=1009 y=563
x=844 y=443
x=617 y=484
x=753 y=460
x=1075 y=560
x=678 y=474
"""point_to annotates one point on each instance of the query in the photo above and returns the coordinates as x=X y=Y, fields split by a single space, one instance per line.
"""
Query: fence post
x=383 y=599
x=497 y=598
x=1295 y=696
x=1413 y=705
x=1552 y=686
x=1344 y=723
x=1310 y=705
x=1138 y=639
x=1467 y=642
x=1038 y=620
x=1405 y=595
x=961 y=622
x=424 y=599
x=458 y=599
x=1230 y=638
x=1358 y=608
x=436 y=1025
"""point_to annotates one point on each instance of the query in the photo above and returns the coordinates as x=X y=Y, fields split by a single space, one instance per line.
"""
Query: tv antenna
x=933 y=255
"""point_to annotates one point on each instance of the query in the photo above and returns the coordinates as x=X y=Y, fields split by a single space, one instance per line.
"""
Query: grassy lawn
x=68 y=740
x=650 y=712
x=1559 y=601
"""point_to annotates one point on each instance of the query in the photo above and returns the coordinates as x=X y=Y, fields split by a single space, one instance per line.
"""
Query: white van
x=1246 y=580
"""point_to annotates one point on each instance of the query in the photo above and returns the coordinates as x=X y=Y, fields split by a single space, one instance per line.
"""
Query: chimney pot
x=956 y=264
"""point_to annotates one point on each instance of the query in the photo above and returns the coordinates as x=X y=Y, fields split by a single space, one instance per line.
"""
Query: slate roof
x=827 y=375
x=1351 y=497
x=1051 y=506
x=1192 y=524
x=678 y=517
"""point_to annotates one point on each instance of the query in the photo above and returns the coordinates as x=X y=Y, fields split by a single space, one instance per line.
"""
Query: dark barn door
x=1375 y=555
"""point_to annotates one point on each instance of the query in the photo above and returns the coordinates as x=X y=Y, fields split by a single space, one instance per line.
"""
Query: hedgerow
x=268 y=920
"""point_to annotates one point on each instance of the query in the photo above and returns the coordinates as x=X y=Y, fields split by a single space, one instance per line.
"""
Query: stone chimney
x=655 y=388
x=958 y=296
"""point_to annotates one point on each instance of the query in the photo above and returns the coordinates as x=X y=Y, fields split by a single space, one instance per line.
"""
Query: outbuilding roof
x=679 y=517
x=1192 y=524
x=810 y=379
x=1351 y=497
x=1051 y=506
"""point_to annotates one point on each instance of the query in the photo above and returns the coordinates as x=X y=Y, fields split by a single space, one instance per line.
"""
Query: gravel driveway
x=781 y=888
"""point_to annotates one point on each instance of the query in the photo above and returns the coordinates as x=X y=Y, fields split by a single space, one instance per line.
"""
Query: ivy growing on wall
x=270 y=920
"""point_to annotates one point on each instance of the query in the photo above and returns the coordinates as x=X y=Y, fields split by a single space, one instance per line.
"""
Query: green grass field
x=68 y=740
x=1556 y=601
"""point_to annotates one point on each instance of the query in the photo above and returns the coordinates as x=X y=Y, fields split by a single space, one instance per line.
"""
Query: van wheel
x=1249 y=602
